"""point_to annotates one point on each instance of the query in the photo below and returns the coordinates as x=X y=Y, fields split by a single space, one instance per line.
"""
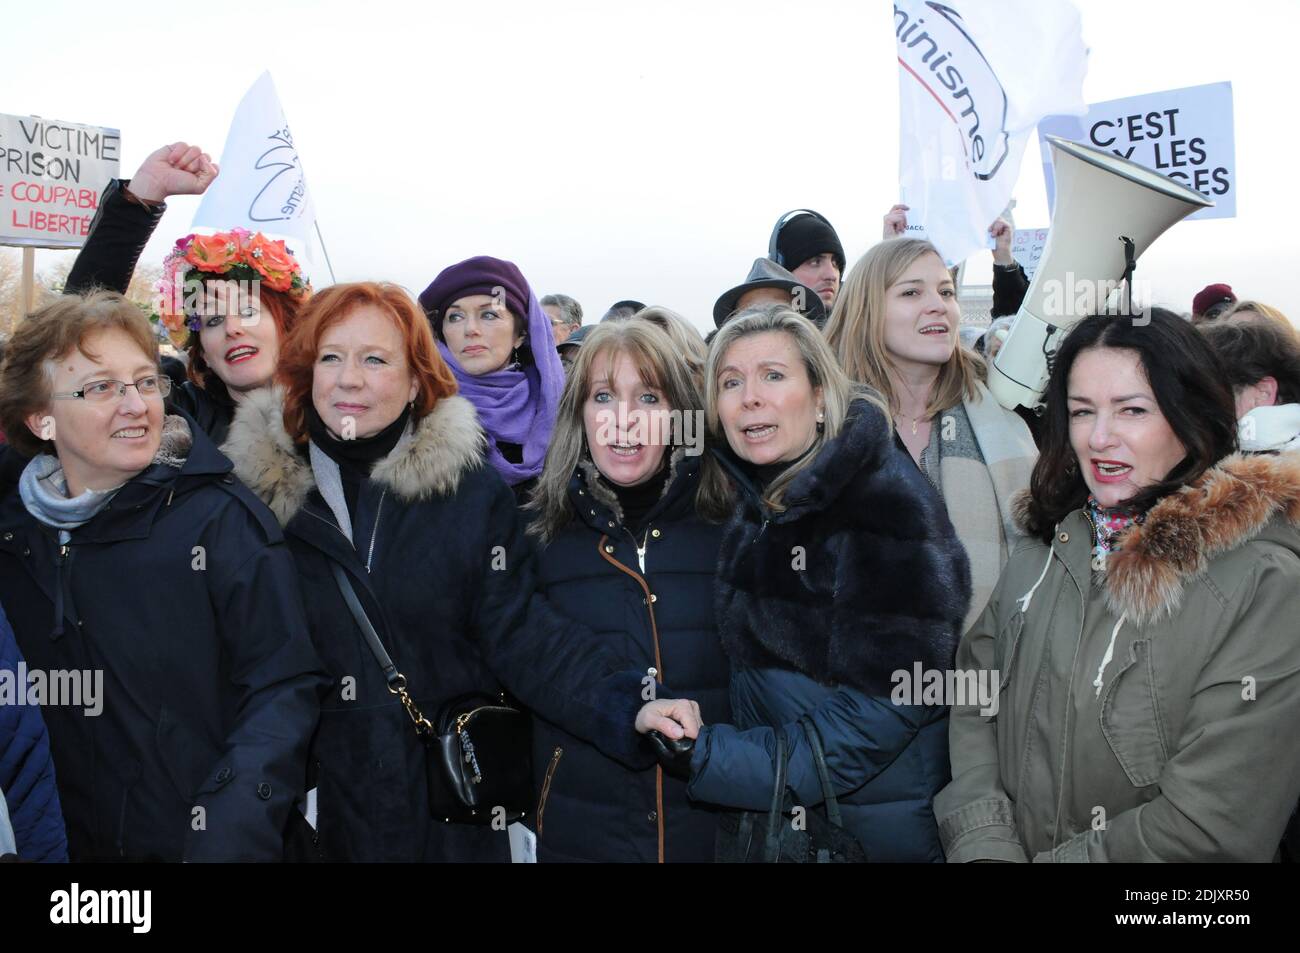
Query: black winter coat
x=861 y=577
x=446 y=576
x=591 y=807
x=210 y=685
x=118 y=235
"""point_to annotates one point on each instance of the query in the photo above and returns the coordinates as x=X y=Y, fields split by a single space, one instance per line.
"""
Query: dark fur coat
x=860 y=576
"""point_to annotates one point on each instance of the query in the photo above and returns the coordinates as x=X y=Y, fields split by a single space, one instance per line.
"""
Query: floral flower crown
x=236 y=255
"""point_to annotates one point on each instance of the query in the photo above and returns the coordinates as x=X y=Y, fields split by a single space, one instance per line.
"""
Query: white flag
x=261 y=186
x=974 y=78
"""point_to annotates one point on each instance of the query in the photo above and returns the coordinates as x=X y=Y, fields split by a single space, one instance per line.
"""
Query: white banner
x=261 y=186
x=975 y=77
x=51 y=176
x=1185 y=134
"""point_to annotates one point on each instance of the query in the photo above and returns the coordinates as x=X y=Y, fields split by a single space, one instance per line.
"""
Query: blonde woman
x=628 y=514
x=688 y=342
x=838 y=570
x=894 y=328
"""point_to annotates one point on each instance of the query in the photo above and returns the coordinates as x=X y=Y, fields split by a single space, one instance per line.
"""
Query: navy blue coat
x=26 y=768
x=860 y=577
x=591 y=807
x=210 y=684
x=446 y=576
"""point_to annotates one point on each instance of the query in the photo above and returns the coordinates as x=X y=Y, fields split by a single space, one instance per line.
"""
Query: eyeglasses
x=155 y=385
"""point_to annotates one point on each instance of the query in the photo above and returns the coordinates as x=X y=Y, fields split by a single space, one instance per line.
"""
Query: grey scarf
x=44 y=488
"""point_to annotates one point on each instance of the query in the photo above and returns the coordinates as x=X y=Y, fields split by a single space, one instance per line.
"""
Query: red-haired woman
x=215 y=291
x=374 y=465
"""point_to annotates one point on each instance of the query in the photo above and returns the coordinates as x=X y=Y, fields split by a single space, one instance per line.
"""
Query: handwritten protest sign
x=51 y=177
x=1185 y=134
x=1027 y=246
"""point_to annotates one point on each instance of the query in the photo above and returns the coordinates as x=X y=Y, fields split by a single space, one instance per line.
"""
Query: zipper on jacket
x=546 y=788
x=374 y=534
x=641 y=547
x=658 y=670
x=62 y=585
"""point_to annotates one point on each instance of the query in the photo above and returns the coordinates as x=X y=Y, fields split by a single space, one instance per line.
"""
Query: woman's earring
x=514 y=360
x=821 y=426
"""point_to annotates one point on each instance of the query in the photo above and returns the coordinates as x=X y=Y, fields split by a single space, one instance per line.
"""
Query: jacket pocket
x=1007 y=648
x=182 y=755
x=1130 y=718
x=546 y=787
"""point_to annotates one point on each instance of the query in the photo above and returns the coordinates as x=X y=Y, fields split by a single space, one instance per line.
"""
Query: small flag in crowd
x=262 y=186
x=975 y=78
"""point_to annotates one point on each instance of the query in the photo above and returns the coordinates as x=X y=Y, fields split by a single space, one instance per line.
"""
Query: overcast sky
x=617 y=150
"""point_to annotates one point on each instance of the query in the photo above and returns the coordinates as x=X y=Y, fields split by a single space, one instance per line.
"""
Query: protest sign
x=51 y=176
x=1185 y=134
x=1027 y=246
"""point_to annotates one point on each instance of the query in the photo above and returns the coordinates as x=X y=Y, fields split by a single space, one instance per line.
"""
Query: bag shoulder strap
x=823 y=773
x=396 y=680
x=391 y=674
x=776 y=813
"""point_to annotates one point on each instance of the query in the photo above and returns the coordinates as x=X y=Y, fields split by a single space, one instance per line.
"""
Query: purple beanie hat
x=477 y=276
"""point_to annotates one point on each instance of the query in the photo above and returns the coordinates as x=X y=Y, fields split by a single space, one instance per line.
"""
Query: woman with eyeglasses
x=183 y=741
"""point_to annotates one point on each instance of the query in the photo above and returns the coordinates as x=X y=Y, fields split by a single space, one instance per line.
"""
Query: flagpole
x=325 y=251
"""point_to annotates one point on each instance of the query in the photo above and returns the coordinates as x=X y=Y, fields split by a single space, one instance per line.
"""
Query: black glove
x=674 y=755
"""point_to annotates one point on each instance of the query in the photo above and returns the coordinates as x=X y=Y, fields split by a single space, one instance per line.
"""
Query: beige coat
x=1148 y=712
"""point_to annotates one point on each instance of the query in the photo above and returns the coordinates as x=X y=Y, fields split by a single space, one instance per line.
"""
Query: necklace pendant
x=913 y=426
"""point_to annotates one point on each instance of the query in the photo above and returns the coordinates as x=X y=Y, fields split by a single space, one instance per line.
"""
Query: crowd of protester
x=358 y=557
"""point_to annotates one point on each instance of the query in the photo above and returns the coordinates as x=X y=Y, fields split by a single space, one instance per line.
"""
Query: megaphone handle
x=1130 y=263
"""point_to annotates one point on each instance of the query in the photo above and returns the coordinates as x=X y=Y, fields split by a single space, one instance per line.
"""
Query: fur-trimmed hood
x=1227 y=506
x=428 y=461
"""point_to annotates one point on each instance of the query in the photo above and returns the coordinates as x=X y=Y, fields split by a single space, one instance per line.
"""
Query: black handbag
x=478 y=751
x=779 y=835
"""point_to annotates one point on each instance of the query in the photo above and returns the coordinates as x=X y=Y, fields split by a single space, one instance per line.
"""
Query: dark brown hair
x=1188 y=383
x=1253 y=350
x=326 y=309
x=50 y=334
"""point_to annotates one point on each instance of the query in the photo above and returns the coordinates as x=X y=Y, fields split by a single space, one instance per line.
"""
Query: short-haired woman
x=131 y=554
x=1144 y=632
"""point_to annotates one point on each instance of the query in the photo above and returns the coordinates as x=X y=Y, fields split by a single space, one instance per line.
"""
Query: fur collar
x=603 y=494
x=1229 y=505
x=444 y=446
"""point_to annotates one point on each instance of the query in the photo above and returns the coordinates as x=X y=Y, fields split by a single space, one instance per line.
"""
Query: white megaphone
x=1101 y=200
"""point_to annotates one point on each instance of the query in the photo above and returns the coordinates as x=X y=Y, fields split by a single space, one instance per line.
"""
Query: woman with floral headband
x=215 y=292
x=231 y=350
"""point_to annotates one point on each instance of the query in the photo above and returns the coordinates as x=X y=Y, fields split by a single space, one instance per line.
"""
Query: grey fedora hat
x=766 y=273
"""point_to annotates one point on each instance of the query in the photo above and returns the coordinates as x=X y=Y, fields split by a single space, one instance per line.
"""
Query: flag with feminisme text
x=974 y=78
x=262 y=186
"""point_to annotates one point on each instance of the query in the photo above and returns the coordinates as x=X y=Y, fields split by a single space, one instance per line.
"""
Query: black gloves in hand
x=674 y=755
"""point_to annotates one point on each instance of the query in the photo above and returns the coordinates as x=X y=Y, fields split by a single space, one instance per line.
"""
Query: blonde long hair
x=838 y=391
x=856 y=329
x=660 y=366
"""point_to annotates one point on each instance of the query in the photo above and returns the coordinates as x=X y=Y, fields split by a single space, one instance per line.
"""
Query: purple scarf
x=517 y=406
